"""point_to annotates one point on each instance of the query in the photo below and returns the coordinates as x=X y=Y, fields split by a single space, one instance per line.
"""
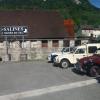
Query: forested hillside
x=82 y=13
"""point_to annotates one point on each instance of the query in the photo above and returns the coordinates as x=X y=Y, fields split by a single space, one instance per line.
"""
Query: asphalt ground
x=84 y=93
x=28 y=76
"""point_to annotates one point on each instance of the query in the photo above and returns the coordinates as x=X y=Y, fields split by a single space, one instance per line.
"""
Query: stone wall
x=16 y=51
x=26 y=54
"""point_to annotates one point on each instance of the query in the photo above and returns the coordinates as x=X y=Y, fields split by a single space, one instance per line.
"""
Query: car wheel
x=64 y=63
x=94 y=71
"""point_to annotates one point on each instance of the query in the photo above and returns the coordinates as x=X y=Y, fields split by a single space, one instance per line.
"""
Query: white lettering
x=13 y=30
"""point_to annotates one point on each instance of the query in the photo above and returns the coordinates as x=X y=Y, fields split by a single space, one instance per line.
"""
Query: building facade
x=25 y=32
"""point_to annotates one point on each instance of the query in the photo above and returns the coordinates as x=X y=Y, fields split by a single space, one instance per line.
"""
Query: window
x=55 y=43
x=66 y=43
x=80 y=51
x=44 y=43
x=77 y=42
x=98 y=52
x=92 y=49
x=66 y=50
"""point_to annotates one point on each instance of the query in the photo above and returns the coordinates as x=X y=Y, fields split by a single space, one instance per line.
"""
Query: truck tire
x=64 y=63
x=94 y=71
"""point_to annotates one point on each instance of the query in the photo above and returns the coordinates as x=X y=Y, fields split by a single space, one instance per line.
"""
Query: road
x=39 y=80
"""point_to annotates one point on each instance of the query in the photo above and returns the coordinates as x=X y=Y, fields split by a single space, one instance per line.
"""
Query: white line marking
x=39 y=92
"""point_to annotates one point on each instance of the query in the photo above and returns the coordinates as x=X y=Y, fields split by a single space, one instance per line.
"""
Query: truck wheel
x=64 y=63
x=94 y=71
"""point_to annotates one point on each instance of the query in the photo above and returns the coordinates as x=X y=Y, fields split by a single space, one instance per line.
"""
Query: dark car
x=89 y=65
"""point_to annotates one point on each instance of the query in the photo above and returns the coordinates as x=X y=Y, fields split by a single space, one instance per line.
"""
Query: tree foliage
x=82 y=13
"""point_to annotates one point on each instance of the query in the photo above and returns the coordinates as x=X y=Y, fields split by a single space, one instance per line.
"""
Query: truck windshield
x=62 y=50
x=72 y=50
x=80 y=51
x=68 y=49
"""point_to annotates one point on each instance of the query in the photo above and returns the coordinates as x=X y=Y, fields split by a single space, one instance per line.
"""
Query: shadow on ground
x=77 y=72
x=98 y=79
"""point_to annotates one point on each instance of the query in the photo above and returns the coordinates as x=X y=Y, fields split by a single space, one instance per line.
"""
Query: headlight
x=56 y=59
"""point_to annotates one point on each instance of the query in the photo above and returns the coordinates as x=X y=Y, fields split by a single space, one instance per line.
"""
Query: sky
x=95 y=3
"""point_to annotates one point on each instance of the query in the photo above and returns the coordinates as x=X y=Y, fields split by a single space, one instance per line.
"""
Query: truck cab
x=65 y=60
x=64 y=50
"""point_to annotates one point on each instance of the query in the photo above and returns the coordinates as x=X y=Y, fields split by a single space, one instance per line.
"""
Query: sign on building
x=13 y=30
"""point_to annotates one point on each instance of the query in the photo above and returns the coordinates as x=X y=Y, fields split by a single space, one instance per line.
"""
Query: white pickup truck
x=65 y=60
x=64 y=50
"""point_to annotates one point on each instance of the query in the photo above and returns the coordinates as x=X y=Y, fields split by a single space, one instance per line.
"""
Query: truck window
x=66 y=50
x=98 y=51
x=62 y=49
x=80 y=51
x=92 y=49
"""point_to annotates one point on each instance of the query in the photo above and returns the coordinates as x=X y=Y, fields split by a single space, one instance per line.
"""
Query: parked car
x=65 y=50
x=89 y=65
x=65 y=60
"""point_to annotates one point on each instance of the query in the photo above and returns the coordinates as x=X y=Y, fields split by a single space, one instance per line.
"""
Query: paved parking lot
x=32 y=76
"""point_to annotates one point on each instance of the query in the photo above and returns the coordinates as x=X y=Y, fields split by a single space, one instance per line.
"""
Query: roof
x=41 y=24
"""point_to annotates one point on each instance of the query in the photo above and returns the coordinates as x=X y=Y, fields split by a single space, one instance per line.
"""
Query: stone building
x=24 y=30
